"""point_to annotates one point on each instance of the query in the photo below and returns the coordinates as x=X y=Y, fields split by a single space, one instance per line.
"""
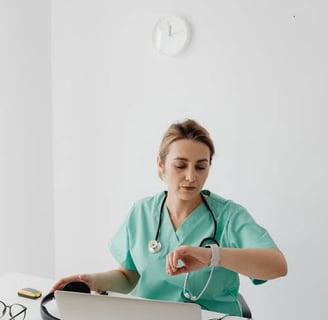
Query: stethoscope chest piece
x=154 y=246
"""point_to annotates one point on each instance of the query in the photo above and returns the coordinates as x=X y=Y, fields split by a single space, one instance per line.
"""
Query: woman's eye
x=184 y=167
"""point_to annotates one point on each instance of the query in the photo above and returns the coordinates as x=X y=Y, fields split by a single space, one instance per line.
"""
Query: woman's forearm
x=264 y=264
x=119 y=280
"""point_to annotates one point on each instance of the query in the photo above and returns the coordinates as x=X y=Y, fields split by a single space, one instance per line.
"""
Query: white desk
x=10 y=283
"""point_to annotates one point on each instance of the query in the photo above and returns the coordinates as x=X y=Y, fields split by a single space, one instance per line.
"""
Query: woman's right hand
x=89 y=279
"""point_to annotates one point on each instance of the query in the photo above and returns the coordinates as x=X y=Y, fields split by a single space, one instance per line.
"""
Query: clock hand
x=170 y=29
x=174 y=33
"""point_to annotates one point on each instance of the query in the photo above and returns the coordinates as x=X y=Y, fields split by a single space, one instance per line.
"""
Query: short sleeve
x=244 y=232
x=120 y=246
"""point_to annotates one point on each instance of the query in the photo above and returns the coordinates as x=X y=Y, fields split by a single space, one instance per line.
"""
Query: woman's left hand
x=192 y=258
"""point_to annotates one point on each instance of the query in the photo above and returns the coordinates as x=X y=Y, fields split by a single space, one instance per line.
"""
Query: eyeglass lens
x=16 y=310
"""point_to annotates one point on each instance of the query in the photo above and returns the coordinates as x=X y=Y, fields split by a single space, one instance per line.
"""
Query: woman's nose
x=190 y=175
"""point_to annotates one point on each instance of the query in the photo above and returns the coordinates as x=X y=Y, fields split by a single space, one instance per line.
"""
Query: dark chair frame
x=246 y=311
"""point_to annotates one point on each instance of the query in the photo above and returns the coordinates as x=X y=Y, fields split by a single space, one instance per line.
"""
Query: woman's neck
x=179 y=210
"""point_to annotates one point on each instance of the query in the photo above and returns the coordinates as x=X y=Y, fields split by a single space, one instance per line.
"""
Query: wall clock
x=171 y=35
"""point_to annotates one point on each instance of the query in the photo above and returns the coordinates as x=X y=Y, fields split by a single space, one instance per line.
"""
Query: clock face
x=171 y=35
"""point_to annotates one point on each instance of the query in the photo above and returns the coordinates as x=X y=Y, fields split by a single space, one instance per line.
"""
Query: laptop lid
x=82 y=306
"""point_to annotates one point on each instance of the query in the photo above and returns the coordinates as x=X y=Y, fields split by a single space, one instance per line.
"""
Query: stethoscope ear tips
x=154 y=246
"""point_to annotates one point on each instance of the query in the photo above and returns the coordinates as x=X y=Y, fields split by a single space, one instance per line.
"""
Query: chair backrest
x=244 y=307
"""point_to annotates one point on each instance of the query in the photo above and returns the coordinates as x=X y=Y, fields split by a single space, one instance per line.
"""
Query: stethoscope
x=154 y=246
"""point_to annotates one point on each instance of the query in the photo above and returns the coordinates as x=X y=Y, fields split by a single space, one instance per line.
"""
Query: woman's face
x=186 y=168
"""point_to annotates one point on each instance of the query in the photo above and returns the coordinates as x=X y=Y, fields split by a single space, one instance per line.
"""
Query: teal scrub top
x=235 y=229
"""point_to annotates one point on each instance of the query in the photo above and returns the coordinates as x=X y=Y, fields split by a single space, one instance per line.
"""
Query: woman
x=188 y=244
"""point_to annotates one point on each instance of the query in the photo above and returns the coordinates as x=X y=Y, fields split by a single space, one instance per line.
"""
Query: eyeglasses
x=16 y=311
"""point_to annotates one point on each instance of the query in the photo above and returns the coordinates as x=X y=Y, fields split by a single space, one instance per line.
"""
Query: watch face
x=171 y=35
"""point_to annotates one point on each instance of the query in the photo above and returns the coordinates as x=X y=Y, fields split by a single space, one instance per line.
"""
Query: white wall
x=26 y=184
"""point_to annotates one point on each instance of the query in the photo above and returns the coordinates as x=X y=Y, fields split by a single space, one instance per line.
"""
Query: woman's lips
x=188 y=188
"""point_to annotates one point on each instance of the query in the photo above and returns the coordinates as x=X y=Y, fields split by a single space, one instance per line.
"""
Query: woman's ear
x=160 y=166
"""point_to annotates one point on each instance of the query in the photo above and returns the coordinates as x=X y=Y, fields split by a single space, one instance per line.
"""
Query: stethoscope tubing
x=212 y=238
x=160 y=217
x=155 y=246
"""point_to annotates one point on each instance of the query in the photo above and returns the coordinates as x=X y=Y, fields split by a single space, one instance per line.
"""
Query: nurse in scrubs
x=187 y=243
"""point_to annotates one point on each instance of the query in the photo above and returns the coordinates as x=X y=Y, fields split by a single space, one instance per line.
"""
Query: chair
x=246 y=311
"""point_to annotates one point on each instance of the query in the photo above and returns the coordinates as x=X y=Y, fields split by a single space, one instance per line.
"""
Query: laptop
x=84 y=306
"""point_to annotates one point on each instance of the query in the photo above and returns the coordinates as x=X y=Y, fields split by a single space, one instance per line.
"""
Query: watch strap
x=215 y=258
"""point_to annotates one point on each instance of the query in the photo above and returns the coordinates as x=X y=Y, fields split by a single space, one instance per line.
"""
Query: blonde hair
x=187 y=129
